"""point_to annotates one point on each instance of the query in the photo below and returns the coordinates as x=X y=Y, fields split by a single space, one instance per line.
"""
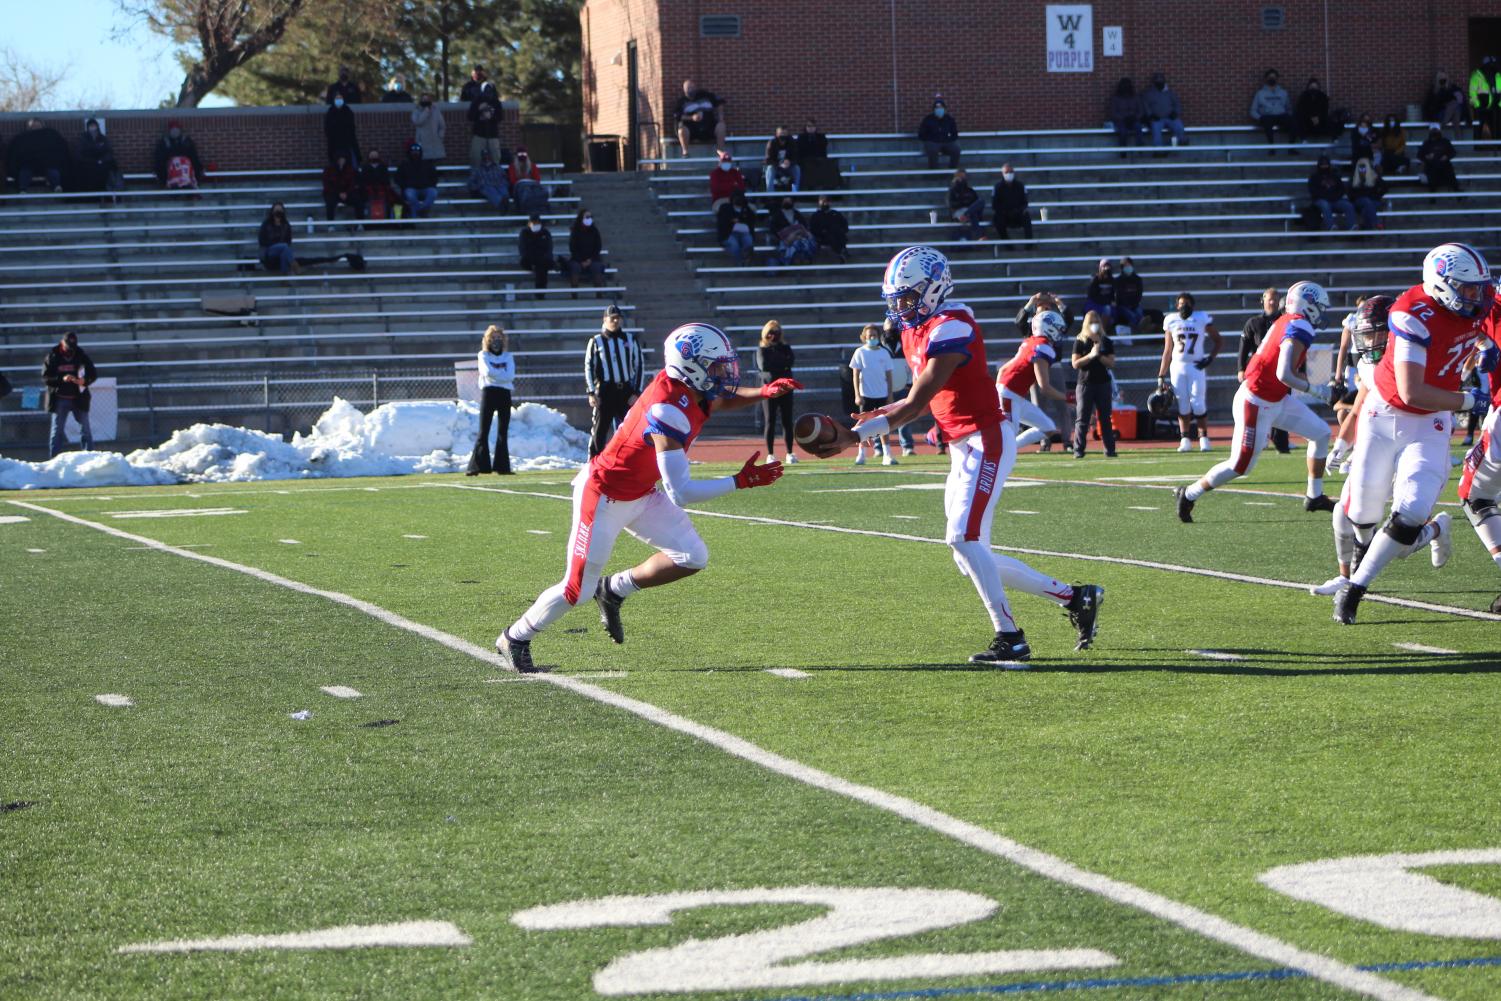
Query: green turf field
x=894 y=824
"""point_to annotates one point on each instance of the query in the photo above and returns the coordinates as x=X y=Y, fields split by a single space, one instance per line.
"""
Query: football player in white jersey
x=1190 y=342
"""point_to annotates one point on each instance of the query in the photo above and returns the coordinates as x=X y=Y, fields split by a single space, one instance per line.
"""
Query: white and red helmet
x=700 y=355
x=1458 y=278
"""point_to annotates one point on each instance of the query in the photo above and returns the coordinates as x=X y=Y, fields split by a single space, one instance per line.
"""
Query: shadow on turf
x=1305 y=664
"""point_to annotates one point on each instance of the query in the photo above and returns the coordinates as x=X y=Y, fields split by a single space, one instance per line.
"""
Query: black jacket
x=97 y=152
x=1326 y=186
x=338 y=127
x=485 y=126
x=1009 y=199
x=1128 y=291
x=271 y=233
x=1312 y=105
x=472 y=89
x=778 y=150
x=811 y=146
x=830 y=228
x=168 y=148
x=418 y=173
x=1436 y=149
x=1251 y=336
x=729 y=214
x=395 y=97
x=1102 y=289
x=961 y=196
x=585 y=243
x=535 y=248
x=40 y=149
x=349 y=91
x=938 y=130
x=774 y=361
x=58 y=365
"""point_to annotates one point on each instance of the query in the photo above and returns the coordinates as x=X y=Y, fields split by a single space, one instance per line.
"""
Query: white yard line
x=289 y=542
x=69 y=496
x=407 y=934
x=1050 y=866
x=340 y=691
x=37 y=551
x=1216 y=654
x=788 y=672
x=114 y=699
x=13 y=519
x=1420 y=648
x=179 y=512
x=1135 y=507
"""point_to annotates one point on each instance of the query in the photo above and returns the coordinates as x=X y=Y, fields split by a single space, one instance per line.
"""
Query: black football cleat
x=1323 y=502
x=1083 y=608
x=1346 y=602
x=1185 y=506
x=516 y=653
x=1496 y=605
x=1004 y=648
x=609 y=610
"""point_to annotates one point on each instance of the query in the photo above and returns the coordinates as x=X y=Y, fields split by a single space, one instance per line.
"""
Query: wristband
x=876 y=427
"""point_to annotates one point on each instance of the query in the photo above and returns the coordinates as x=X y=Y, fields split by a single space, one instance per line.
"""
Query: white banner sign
x=1070 y=38
x=1114 y=39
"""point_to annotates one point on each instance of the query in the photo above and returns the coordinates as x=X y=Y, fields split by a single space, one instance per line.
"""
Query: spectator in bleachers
x=1445 y=103
x=1125 y=113
x=427 y=121
x=97 y=169
x=1042 y=300
x=344 y=87
x=488 y=181
x=396 y=91
x=1391 y=147
x=1362 y=142
x=811 y=144
x=724 y=180
x=1251 y=336
x=735 y=224
x=699 y=117
x=873 y=366
x=939 y=133
x=40 y=151
x=1326 y=192
x=1092 y=360
x=1485 y=98
x=67 y=373
x=831 y=229
x=497 y=380
x=1009 y=200
x=1271 y=109
x=380 y=194
x=774 y=359
x=175 y=158
x=342 y=188
x=781 y=162
x=1163 y=111
x=966 y=207
x=338 y=129
x=417 y=179
x=613 y=373
x=484 y=126
x=276 y=241
x=1311 y=116
x=1100 y=296
x=792 y=242
x=1367 y=189
x=534 y=244
x=585 y=247
x=525 y=178
x=1128 y=295
x=1437 y=157
x=476 y=83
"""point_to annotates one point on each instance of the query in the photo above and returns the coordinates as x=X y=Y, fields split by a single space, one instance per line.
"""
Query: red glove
x=778 y=387
x=934 y=436
x=752 y=475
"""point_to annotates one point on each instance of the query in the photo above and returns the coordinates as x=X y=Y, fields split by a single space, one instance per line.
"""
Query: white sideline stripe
x=190 y=512
x=1216 y=654
x=1135 y=507
x=1420 y=648
x=1240 y=578
x=1023 y=512
x=1052 y=867
x=406 y=933
x=70 y=496
x=537 y=531
x=340 y=691
x=788 y=672
x=1258 y=504
x=880 y=490
x=114 y=699
x=414 y=536
x=12 y=519
x=289 y=542
x=907 y=517
x=36 y=550
x=597 y=674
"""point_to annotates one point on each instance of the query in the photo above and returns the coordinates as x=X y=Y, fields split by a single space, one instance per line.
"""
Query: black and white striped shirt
x=612 y=361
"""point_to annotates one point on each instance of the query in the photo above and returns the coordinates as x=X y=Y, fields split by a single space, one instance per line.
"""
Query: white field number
x=1385 y=890
x=756 y=960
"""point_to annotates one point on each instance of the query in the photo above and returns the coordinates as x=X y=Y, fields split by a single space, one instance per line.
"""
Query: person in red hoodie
x=724 y=180
x=342 y=187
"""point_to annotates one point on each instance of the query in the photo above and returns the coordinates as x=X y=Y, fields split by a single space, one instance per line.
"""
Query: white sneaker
x=859 y=458
x=888 y=460
x=1330 y=586
x=1186 y=445
x=791 y=459
x=908 y=451
x=1204 y=445
x=1443 y=543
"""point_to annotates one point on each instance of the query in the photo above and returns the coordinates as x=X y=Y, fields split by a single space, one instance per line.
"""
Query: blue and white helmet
x=700 y=355
x=1309 y=300
x=1458 y=278
x=916 y=285
x=1050 y=324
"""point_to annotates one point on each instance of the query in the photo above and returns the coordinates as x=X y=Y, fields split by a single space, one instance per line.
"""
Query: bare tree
x=26 y=86
x=217 y=36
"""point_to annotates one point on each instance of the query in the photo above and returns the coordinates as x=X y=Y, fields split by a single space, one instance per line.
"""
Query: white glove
x=1338 y=453
x=1319 y=391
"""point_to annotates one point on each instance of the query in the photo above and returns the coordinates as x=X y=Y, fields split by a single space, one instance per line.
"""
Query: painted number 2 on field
x=759 y=959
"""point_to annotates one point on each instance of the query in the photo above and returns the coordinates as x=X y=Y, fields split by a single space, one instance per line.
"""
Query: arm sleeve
x=681 y=488
x=591 y=384
x=638 y=377
x=951 y=336
x=1286 y=366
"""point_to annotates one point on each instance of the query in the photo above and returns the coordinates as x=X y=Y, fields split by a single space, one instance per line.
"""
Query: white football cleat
x=1330 y=586
x=1204 y=445
x=887 y=460
x=1443 y=543
x=791 y=459
x=908 y=451
x=859 y=458
x=1185 y=445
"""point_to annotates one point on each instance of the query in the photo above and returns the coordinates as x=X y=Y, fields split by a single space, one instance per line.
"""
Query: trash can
x=604 y=154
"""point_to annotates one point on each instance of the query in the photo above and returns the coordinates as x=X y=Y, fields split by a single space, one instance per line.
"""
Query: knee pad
x=1318 y=448
x=693 y=557
x=1478 y=509
x=1401 y=531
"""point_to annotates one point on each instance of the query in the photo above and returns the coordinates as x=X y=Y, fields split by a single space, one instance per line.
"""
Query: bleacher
x=1219 y=216
x=130 y=273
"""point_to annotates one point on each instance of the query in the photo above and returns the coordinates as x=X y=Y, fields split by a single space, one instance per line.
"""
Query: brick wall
x=834 y=61
x=265 y=138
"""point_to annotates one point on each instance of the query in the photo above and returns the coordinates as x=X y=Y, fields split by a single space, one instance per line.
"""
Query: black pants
x=610 y=412
x=1283 y=122
x=1011 y=220
x=539 y=274
x=1091 y=397
x=770 y=409
x=494 y=402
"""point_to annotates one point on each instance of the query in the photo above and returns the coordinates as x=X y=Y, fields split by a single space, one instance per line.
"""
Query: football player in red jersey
x=944 y=349
x=1402 y=441
x=1264 y=401
x=1031 y=366
x=618 y=489
x=1480 y=482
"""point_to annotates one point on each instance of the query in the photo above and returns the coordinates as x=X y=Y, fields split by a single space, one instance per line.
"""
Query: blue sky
x=135 y=70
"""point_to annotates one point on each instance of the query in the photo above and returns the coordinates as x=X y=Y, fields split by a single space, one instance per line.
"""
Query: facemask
x=1094 y=328
x=1364 y=129
x=724 y=165
x=338 y=102
x=786 y=206
x=175 y=133
x=1128 y=270
x=1272 y=82
x=588 y=220
x=398 y=85
x=1008 y=174
x=535 y=227
x=1185 y=311
x=940 y=112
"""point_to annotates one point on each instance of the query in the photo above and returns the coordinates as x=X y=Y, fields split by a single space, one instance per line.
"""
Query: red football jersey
x=968 y=402
x=1018 y=375
x=1491 y=329
x=1261 y=370
x=627 y=468
x=1423 y=331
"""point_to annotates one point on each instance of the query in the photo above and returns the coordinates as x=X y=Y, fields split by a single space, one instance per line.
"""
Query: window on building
x=719 y=26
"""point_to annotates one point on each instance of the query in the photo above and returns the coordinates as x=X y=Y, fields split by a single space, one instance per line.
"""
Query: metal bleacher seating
x=1219 y=216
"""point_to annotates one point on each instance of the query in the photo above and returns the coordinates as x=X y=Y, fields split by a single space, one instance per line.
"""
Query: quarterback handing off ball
x=816 y=433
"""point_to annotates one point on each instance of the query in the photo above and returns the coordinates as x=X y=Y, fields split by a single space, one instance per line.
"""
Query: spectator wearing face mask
x=585 y=245
x=380 y=194
x=1437 y=158
x=67 y=372
x=1367 y=189
x=338 y=129
x=872 y=366
x=1009 y=199
x=1391 y=147
x=275 y=239
x=774 y=359
x=488 y=181
x=1362 y=142
x=1271 y=109
x=497 y=381
x=97 y=168
x=939 y=133
x=1311 y=115
x=793 y=242
x=1445 y=103
x=1326 y=193
x=476 y=83
x=724 y=180
x=342 y=188
x=534 y=242
x=1164 y=112
x=396 y=91
x=525 y=178
x=484 y=126
x=735 y=223
x=781 y=162
x=344 y=87
x=1093 y=359
x=176 y=158
x=1128 y=295
x=417 y=177
x=811 y=144
x=1100 y=296
x=427 y=121
x=966 y=207
x=1124 y=113
x=831 y=229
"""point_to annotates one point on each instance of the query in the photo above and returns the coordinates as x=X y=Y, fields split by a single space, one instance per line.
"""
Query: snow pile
x=394 y=439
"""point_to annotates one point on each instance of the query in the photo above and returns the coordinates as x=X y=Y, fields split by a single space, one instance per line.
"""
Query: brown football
x=813 y=430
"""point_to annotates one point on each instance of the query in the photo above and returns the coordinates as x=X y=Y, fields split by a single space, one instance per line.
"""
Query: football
x=813 y=430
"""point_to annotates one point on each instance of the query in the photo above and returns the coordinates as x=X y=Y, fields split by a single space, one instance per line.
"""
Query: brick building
x=874 y=65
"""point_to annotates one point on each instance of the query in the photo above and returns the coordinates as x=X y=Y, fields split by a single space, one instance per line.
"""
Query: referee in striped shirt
x=612 y=373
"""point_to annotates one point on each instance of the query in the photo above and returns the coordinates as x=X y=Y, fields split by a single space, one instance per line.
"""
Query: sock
x=1383 y=550
x=1315 y=486
x=974 y=559
x=1216 y=477
x=550 y=606
x=1196 y=489
x=1031 y=436
x=622 y=584
x=1015 y=573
